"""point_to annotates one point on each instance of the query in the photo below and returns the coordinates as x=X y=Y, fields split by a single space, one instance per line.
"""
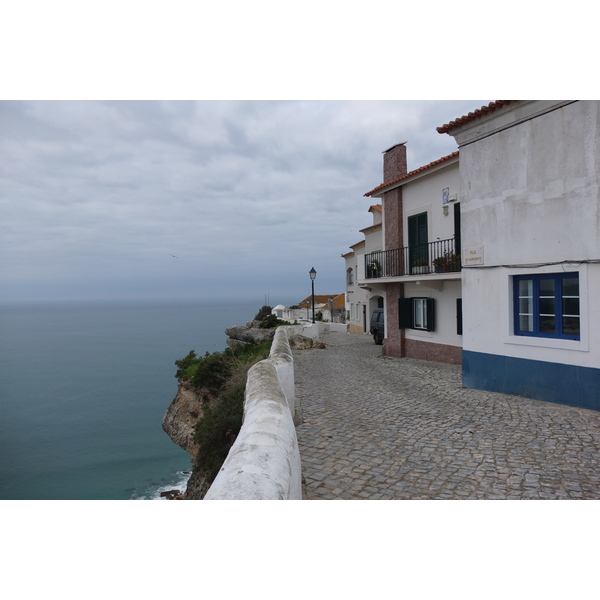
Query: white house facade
x=419 y=269
x=530 y=237
x=361 y=301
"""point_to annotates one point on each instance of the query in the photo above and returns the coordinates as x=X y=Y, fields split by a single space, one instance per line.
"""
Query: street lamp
x=313 y=274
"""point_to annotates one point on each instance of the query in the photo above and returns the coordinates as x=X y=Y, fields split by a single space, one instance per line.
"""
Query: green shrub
x=184 y=364
x=265 y=311
x=220 y=378
x=272 y=321
x=212 y=372
x=218 y=427
x=222 y=417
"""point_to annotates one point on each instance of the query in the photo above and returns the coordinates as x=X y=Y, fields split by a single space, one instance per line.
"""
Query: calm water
x=83 y=390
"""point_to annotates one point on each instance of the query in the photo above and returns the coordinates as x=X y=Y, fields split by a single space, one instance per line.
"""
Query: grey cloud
x=95 y=195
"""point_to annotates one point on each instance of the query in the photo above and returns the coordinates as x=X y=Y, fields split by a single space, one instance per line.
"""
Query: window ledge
x=540 y=342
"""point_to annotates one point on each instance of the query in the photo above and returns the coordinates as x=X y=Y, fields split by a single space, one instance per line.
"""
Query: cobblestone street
x=386 y=428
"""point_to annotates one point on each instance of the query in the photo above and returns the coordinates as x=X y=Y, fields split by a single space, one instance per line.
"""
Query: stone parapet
x=264 y=461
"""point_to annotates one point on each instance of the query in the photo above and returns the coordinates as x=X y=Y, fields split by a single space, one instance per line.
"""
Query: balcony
x=436 y=257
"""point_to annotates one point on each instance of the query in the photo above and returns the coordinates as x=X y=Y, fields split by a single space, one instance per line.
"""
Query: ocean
x=83 y=390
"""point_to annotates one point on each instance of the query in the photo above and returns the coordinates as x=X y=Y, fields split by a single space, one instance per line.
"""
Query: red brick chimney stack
x=394 y=163
x=394 y=167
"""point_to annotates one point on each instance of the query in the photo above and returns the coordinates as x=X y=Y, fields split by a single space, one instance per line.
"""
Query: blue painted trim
x=558 y=307
x=551 y=382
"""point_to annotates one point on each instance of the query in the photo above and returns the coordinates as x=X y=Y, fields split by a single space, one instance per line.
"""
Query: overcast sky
x=98 y=198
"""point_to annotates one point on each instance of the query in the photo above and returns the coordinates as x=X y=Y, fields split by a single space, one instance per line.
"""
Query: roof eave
x=423 y=171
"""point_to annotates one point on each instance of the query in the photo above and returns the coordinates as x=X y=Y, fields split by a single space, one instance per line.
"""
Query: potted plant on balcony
x=374 y=269
x=439 y=264
x=421 y=265
x=448 y=262
x=452 y=262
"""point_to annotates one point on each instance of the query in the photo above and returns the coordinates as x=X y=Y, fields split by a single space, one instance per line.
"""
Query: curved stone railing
x=264 y=461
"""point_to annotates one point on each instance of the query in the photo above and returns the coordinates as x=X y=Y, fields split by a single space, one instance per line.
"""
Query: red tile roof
x=339 y=300
x=375 y=207
x=472 y=116
x=419 y=170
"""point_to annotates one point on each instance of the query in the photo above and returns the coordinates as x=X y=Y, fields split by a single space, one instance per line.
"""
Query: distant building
x=360 y=299
x=330 y=307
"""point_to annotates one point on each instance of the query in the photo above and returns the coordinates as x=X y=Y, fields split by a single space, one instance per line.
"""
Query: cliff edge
x=179 y=423
x=193 y=401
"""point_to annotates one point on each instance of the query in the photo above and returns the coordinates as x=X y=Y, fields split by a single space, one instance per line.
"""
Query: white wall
x=530 y=194
x=488 y=317
x=445 y=312
x=355 y=295
x=425 y=195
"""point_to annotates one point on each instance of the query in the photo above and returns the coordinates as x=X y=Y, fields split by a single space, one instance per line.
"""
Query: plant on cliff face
x=212 y=371
x=272 y=321
x=218 y=427
x=265 y=311
x=183 y=365
x=222 y=416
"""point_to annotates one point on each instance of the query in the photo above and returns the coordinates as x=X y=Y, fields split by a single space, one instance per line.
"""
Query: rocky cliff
x=179 y=424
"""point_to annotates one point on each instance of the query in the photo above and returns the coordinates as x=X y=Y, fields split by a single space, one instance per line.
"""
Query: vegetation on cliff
x=220 y=380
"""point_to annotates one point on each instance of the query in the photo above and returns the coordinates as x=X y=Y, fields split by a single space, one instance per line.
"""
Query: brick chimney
x=394 y=167
x=394 y=163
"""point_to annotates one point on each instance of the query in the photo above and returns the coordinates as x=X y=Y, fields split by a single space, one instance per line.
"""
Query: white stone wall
x=531 y=192
x=530 y=195
x=264 y=462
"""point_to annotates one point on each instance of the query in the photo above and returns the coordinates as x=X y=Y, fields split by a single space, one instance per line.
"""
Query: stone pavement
x=387 y=428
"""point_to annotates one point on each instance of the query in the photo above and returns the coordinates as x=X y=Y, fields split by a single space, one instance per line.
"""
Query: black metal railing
x=436 y=257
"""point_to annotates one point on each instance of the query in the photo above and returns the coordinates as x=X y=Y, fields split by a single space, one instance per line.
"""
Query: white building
x=419 y=269
x=529 y=196
x=361 y=301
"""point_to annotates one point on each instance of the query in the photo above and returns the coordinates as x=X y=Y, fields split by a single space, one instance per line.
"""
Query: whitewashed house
x=361 y=300
x=530 y=229
x=418 y=270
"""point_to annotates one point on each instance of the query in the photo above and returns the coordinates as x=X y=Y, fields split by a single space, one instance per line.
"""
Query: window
x=547 y=305
x=418 y=249
x=416 y=313
x=350 y=277
x=420 y=313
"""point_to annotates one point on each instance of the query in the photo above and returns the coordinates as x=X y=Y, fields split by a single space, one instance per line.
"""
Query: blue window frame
x=547 y=305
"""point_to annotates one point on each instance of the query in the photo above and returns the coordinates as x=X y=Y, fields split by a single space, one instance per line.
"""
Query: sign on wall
x=472 y=255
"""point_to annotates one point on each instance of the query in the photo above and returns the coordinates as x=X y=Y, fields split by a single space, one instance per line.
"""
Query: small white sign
x=472 y=255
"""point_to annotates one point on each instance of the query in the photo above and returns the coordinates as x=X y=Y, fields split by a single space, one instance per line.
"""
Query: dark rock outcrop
x=252 y=335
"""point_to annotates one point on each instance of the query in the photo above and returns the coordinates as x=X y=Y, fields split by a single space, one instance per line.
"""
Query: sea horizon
x=85 y=386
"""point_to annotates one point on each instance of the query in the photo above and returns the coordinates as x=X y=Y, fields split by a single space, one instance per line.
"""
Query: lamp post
x=313 y=274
